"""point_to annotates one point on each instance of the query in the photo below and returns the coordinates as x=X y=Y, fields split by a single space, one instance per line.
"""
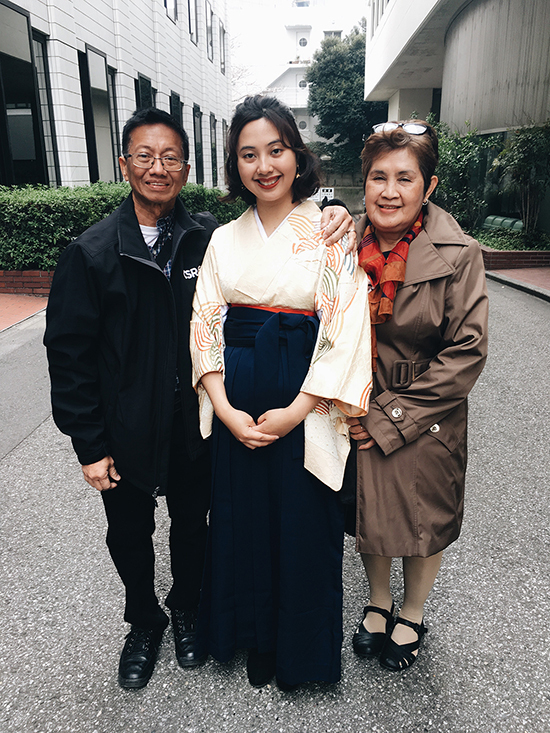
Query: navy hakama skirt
x=273 y=574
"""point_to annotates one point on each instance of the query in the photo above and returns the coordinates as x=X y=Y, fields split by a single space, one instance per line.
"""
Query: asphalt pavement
x=483 y=666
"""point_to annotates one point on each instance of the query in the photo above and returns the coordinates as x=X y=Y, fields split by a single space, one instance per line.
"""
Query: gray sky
x=257 y=39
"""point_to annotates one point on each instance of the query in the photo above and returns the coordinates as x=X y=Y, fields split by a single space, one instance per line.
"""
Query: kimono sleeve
x=341 y=369
x=206 y=337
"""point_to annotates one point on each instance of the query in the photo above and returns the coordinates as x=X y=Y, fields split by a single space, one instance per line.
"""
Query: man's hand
x=335 y=222
x=101 y=475
x=358 y=432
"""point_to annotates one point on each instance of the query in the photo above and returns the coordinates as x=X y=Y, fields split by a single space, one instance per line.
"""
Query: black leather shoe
x=260 y=667
x=138 y=657
x=367 y=643
x=184 y=623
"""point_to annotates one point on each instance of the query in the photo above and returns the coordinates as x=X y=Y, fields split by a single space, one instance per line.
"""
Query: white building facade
x=72 y=72
x=307 y=23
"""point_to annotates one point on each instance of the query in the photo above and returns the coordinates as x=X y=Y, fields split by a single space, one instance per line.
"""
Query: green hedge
x=37 y=222
x=505 y=239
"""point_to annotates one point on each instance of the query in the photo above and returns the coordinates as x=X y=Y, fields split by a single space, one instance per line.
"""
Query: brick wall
x=513 y=259
x=26 y=282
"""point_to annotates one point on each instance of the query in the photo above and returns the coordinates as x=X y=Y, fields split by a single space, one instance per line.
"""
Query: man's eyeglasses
x=168 y=162
x=413 y=128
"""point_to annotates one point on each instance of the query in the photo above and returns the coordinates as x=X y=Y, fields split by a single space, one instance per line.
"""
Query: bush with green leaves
x=464 y=161
x=524 y=165
x=506 y=239
x=37 y=222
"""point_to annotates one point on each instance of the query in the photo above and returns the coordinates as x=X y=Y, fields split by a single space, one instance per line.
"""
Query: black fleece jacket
x=116 y=332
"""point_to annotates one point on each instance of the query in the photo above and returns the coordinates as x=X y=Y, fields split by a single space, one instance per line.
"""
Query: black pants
x=131 y=519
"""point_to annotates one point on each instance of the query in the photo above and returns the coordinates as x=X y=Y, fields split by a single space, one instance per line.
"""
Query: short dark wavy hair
x=153 y=116
x=255 y=108
x=424 y=147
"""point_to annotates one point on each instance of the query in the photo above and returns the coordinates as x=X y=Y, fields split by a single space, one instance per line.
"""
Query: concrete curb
x=518 y=285
x=26 y=318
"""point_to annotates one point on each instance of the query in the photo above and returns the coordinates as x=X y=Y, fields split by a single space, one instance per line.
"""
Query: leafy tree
x=337 y=79
x=525 y=167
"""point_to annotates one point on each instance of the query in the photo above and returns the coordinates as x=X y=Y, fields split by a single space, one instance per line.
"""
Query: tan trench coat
x=411 y=484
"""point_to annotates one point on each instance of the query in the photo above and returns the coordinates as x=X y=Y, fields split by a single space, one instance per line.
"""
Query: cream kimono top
x=292 y=269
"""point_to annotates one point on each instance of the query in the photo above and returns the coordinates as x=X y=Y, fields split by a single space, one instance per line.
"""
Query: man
x=117 y=339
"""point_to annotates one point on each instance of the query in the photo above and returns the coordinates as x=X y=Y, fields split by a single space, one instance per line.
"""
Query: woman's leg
x=419 y=574
x=378 y=574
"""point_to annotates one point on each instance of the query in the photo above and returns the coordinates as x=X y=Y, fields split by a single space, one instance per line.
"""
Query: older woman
x=429 y=314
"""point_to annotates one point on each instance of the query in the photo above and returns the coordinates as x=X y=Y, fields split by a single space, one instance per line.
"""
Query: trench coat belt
x=405 y=371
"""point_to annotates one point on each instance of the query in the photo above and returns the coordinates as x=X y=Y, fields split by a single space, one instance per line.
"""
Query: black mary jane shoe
x=184 y=624
x=397 y=657
x=260 y=667
x=368 y=643
x=138 y=657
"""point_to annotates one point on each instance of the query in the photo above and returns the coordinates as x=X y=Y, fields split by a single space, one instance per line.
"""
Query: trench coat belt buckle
x=405 y=371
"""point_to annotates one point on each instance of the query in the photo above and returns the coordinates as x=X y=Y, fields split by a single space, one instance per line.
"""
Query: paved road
x=485 y=663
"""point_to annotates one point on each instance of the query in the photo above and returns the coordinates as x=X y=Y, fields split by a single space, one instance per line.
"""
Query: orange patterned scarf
x=385 y=274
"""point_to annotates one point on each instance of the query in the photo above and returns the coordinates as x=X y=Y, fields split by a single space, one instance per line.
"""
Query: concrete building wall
x=135 y=37
x=497 y=65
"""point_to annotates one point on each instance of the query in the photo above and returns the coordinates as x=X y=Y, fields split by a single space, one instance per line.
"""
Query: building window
x=302 y=84
x=113 y=111
x=46 y=108
x=302 y=42
x=97 y=114
x=209 y=31
x=333 y=34
x=144 y=92
x=224 y=139
x=222 y=47
x=213 y=148
x=22 y=154
x=302 y=125
x=197 y=131
x=171 y=9
x=193 y=20
x=176 y=107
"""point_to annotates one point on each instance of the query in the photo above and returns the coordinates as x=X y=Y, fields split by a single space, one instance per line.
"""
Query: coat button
x=396 y=412
x=435 y=428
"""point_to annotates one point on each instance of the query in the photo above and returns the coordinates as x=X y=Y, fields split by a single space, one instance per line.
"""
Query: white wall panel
x=165 y=54
x=497 y=65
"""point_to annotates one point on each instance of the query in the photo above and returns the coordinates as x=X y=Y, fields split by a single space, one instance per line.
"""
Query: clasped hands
x=271 y=426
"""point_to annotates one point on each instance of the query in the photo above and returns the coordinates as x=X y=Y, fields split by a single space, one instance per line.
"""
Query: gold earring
x=297 y=172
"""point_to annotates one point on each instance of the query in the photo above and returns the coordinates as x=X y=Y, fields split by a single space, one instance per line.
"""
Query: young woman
x=281 y=352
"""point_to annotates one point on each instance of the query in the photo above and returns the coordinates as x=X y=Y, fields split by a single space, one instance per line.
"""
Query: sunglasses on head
x=413 y=128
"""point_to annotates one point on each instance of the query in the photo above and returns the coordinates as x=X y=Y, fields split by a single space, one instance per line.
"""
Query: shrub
x=37 y=222
x=505 y=239
x=463 y=164
x=525 y=168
